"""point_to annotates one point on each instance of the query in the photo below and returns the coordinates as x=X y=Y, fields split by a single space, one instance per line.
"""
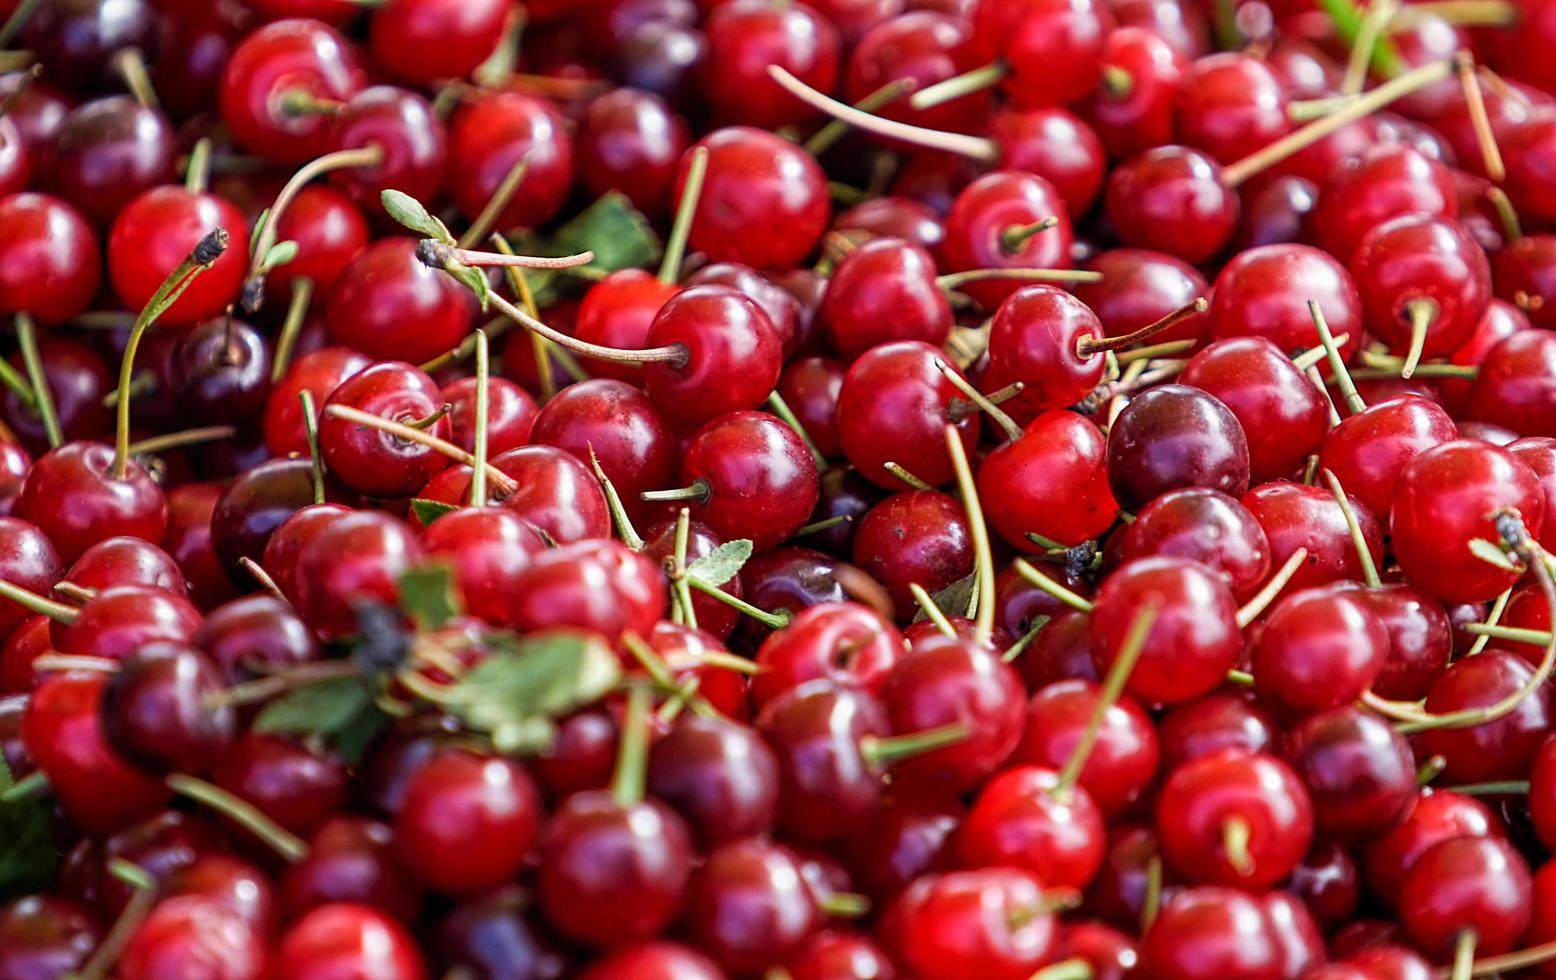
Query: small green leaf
x=1492 y=555
x=953 y=598
x=514 y=694
x=27 y=851
x=354 y=738
x=617 y=233
x=259 y=226
x=280 y=254
x=428 y=596
x=322 y=709
x=428 y=511
x=475 y=279
x=722 y=563
x=409 y=212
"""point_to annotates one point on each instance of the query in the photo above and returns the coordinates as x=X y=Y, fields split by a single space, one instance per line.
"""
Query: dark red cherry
x=1171 y=437
x=1264 y=292
x=248 y=634
x=1318 y=649
x=1295 y=515
x=1383 y=183
x=1123 y=760
x=497 y=934
x=409 y=135
x=919 y=537
x=810 y=387
x=489 y=135
x=106 y=152
x=1359 y=772
x=749 y=905
x=884 y=290
x=49 y=260
x=1524 y=272
x=1422 y=273
x=1140 y=287
x=273 y=68
x=157 y=709
x=1172 y=199
x=1230 y=104
x=744 y=38
x=1496 y=749
x=350 y=859
x=77 y=379
x=44 y=935
x=255 y=504
x=297 y=787
x=729 y=355
x=390 y=306
x=221 y=371
x=893 y=408
x=1205 y=526
x=1214 y=722
x=1479 y=885
x=718 y=775
x=466 y=822
x=1368 y=450
x=894 y=217
x=983 y=231
x=1514 y=385
x=626 y=432
x=378 y=463
x=662 y=958
x=764 y=201
x=355 y=557
x=430 y=42
x=630 y=141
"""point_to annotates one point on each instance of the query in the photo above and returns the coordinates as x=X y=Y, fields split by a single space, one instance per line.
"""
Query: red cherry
x=1052 y=50
x=390 y=306
x=1229 y=105
x=598 y=585
x=354 y=557
x=1025 y=818
x=1035 y=339
x=1318 y=649
x=378 y=463
x=729 y=359
x=49 y=264
x=319 y=373
x=1368 y=450
x=884 y=290
x=1264 y=292
x=1172 y=199
x=1069 y=504
x=984 y=231
x=466 y=822
x=1497 y=749
x=1171 y=437
x=430 y=42
x=1384 y=183
x=893 y=408
x=764 y=201
x=72 y=496
x=1437 y=816
x=278 y=62
x=408 y=134
x=487 y=138
x=1234 y=818
x=1123 y=761
x=193 y=936
x=1131 y=110
x=842 y=642
x=1359 y=772
x=744 y=38
x=992 y=922
x=156 y=232
x=630 y=140
x=1422 y=275
x=1294 y=516
x=342 y=940
x=1515 y=383
x=1478 y=885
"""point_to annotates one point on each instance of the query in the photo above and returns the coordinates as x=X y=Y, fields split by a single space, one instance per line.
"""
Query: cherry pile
x=777 y=489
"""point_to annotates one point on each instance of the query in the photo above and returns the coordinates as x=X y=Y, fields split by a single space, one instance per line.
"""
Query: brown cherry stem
x=1237 y=173
x=1462 y=13
x=258 y=573
x=428 y=421
x=1088 y=346
x=502 y=483
x=77 y=594
x=435 y=253
x=203 y=256
x=976 y=397
x=1252 y=609
x=1112 y=689
x=19 y=89
x=131 y=66
x=1164 y=349
x=955 y=280
x=1510 y=963
x=1475 y=102
x=976 y=80
x=177 y=440
x=961 y=408
x=253 y=293
x=977 y=148
x=1422 y=312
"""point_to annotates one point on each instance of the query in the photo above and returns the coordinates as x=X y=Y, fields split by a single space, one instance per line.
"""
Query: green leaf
x=259 y=226
x=617 y=233
x=722 y=563
x=409 y=212
x=475 y=279
x=514 y=694
x=1492 y=555
x=354 y=738
x=27 y=852
x=428 y=596
x=280 y=254
x=954 y=598
x=428 y=511
x=323 y=708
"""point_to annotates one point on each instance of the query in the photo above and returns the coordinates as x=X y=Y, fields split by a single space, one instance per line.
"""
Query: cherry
x=1071 y=453
x=351 y=558
x=49 y=259
x=1206 y=526
x=664 y=57
x=1038 y=338
x=410 y=141
x=63 y=732
x=884 y=290
x=1368 y=450
x=191 y=54
x=1216 y=721
x=27 y=560
x=833 y=955
x=319 y=373
x=623 y=428
x=1229 y=105
x=659 y=958
x=1437 y=816
x=744 y=38
x=1265 y=291
x=1140 y=288
x=1420 y=640
x=106 y=153
x=1172 y=199
x=749 y=905
x=329 y=231
x=43 y=935
x=77 y=38
x=466 y=822
x=1208 y=932
x=990 y=227
x=157 y=711
x=424 y=43
x=193 y=936
x=915 y=538
x=556 y=493
x=630 y=140
x=297 y=787
x=1132 y=110
x=253 y=632
x=919 y=48
x=495 y=933
x=1474 y=885
x=893 y=408
x=379 y=463
x=488 y=548
x=276 y=71
x=1383 y=183
x=1193 y=640
x=1444 y=499
x=1514 y=384
x=728 y=355
x=390 y=306
x=341 y=939
x=1294 y=516
x=1425 y=284
x=1500 y=748
x=72 y=495
x=1277 y=210
x=894 y=217
x=156 y=232
x=1171 y=437
x=1318 y=649
x=900 y=842
x=1359 y=772
x=1051 y=52
x=764 y=200
x=27 y=642
x=810 y=387
x=592 y=584
x=1522 y=274
x=846 y=643
x=992 y=922
x=255 y=504
x=720 y=776
x=488 y=135
x=221 y=371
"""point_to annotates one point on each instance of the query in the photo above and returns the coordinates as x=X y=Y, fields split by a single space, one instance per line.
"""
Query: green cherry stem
x=627 y=784
x=292 y=326
x=1358 y=539
x=482 y=411
x=435 y=253
x=33 y=602
x=781 y=409
x=1015 y=238
x=983 y=553
x=1112 y=690
x=976 y=80
x=901 y=472
x=1032 y=576
x=955 y=280
x=1493 y=617
x=177 y=440
x=685 y=214
x=143 y=896
x=628 y=534
x=882 y=752
x=17 y=384
x=683 y=589
x=204 y=255
x=1422 y=313
x=43 y=395
x=835 y=129
x=772 y=620
x=244 y=814
x=977 y=398
x=1251 y=610
x=1514 y=634
x=486 y=221
x=315 y=455
x=932 y=611
x=1353 y=399
x=502 y=484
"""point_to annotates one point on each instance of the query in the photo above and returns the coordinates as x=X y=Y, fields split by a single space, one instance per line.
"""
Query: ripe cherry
x=1172 y=199
x=1206 y=526
x=1496 y=749
x=728 y=359
x=630 y=140
x=884 y=290
x=1383 y=183
x=107 y=152
x=466 y=822
x=156 y=232
x=1514 y=384
x=1368 y=450
x=919 y=537
x=430 y=42
x=1318 y=649
x=358 y=556
x=1040 y=338
x=1359 y=772
x=489 y=135
x=1230 y=104
x=390 y=306
x=191 y=935
x=893 y=407
x=995 y=922
x=1295 y=515
x=1234 y=818
x=750 y=905
x=991 y=224
x=49 y=264
x=592 y=584
x=73 y=495
x=720 y=776
x=842 y=642
x=40 y=934
x=1264 y=292
x=1474 y=885
x=273 y=75
x=1171 y=437
x=343 y=938
x=1141 y=287
x=158 y=712
x=764 y=201
x=744 y=38
x=379 y=463
x=1071 y=453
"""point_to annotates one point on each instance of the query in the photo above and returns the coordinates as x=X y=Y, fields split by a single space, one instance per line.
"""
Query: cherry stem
x=291 y=327
x=1153 y=893
x=845 y=905
x=428 y=421
x=1020 y=646
x=486 y=221
x=1305 y=110
x=32 y=785
x=1353 y=399
x=1310 y=358
x=977 y=148
x=902 y=473
x=1512 y=228
x=19 y=89
x=244 y=814
x=437 y=253
x=983 y=553
x=296 y=103
x=1358 y=539
x=883 y=752
x=263 y=578
x=834 y=130
x=632 y=763
x=1088 y=346
x=177 y=440
x=1515 y=634
x=1363 y=48
x=204 y=255
x=978 y=399
x=955 y=280
x=502 y=483
x=1422 y=312
x=1463 y=956
x=1015 y=238
x=42 y=394
x=1117 y=82
x=292 y=678
x=62 y=662
x=77 y=594
x=543 y=349
x=1431 y=769
x=1462 y=13
x=1515 y=537
x=772 y=620
x=197 y=167
x=1034 y=577
x=315 y=454
x=131 y=66
x=781 y=409
x=1499 y=788
x=1235 y=835
x=1112 y=690
x=143 y=897
x=33 y=602
x=253 y=293
x=18 y=19
x=932 y=611
x=628 y=533
x=825 y=524
x=976 y=80
x=685 y=215
x=1252 y=609
x=482 y=412
x=1475 y=102
x=1493 y=617
x=1514 y=962
x=1164 y=349
x=698 y=490
x=961 y=408
x=683 y=589
x=1292 y=143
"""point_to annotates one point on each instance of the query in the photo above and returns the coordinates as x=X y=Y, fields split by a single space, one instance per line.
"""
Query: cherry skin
x=78 y=39
x=1034 y=340
x=193 y=936
x=1418 y=259
x=27 y=559
x=1140 y=287
x=1368 y=450
x=299 y=56
x=221 y=371
x=319 y=373
x=764 y=200
x=155 y=709
x=466 y=822
x=1443 y=500
x=1383 y=183
x=744 y=38
x=72 y=496
x=1136 y=116
x=156 y=232
x=720 y=776
x=350 y=859
x=1468 y=883
x=495 y=933
x=411 y=137
x=1205 y=526
x=630 y=140
x=919 y=537
x=355 y=557
x=119 y=620
x=556 y=493
x=344 y=939
x=1264 y=292
x=1294 y=516
x=488 y=135
x=617 y=312
x=1494 y=750
x=729 y=355
x=625 y=430
x=1214 y=722
x=661 y=958
x=594 y=584
x=884 y=290
x=1070 y=452
x=1053 y=50
x=329 y=231
x=1539 y=454
x=810 y=387
x=1230 y=105
x=1207 y=796
x=252 y=632
x=1359 y=772
x=833 y=955
x=993 y=922
x=107 y=152
x=1318 y=649
x=78 y=379
x=921 y=47
x=1023 y=818
x=894 y=217
x=1514 y=384
x=977 y=225
x=488 y=548
x=1523 y=271
x=1194 y=639
x=846 y=643
x=43 y=934
x=429 y=42
x=1171 y=437
x=1171 y=199
x=1437 y=816
x=893 y=407
x=510 y=413
x=49 y=264
x=378 y=463
x=389 y=306
x=258 y=502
